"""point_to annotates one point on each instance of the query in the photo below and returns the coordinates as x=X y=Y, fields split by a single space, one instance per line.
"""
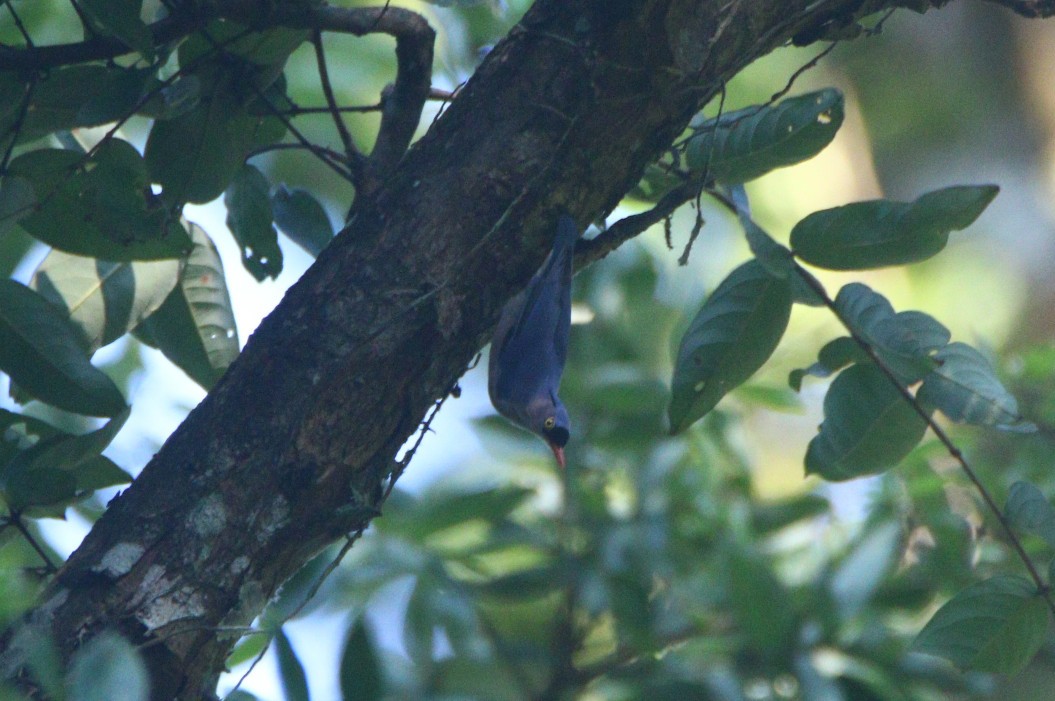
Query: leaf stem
x=943 y=437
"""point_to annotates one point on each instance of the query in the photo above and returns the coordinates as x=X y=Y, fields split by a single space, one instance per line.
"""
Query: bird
x=530 y=346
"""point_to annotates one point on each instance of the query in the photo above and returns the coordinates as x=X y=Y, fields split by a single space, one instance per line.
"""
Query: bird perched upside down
x=530 y=345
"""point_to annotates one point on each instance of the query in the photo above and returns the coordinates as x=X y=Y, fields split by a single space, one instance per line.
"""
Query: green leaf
x=195 y=155
x=120 y=19
x=770 y=516
x=905 y=341
x=78 y=96
x=776 y=259
x=361 y=678
x=1030 y=512
x=519 y=586
x=44 y=354
x=302 y=219
x=965 y=388
x=108 y=667
x=68 y=452
x=733 y=334
x=751 y=580
x=100 y=207
x=105 y=300
x=249 y=219
x=868 y=427
x=442 y=509
x=832 y=357
x=100 y=472
x=16 y=202
x=743 y=145
x=41 y=487
x=996 y=625
x=291 y=671
x=879 y=233
x=195 y=326
x=655 y=182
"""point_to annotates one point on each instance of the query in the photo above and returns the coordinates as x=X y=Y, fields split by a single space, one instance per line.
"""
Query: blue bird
x=530 y=345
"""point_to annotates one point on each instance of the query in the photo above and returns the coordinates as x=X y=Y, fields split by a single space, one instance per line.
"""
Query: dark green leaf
x=195 y=326
x=1029 y=511
x=524 y=584
x=868 y=427
x=78 y=96
x=965 y=388
x=443 y=509
x=100 y=207
x=879 y=233
x=767 y=517
x=105 y=300
x=905 y=341
x=302 y=219
x=733 y=334
x=776 y=259
x=100 y=472
x=195 y=155
x=120 y=19
x=361 y=678
x=16 y=202
x=751 y=580
x=249 y=219
x=743 y=145
x=174 y=99
x=40 y=487
x=291 y=671
x=996 y=625
x=44 y=354
x=68 y=452
x=108 y=667
x=655 y=183
x=832 y=357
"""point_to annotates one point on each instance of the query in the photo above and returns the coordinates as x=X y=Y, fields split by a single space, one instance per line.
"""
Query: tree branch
x=293 y=447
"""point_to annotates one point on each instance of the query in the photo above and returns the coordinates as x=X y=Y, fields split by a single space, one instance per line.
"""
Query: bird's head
x=549 y=419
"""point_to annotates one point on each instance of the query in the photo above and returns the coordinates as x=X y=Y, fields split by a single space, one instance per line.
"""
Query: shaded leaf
x=40 y=487
x=733 y=334
x=832 y=357
x=1028 y=510
x=751 y=580
x=879 y=233
x=195 y=326
x=995 y=625
x=868 y=427
x=770 y=516
x=301 y=218
x=98 y=206
x=249 y=219
x=291 y=671
x=43 y=353
x=360 y=672
x=525 y=584
x=965 y=388
x=120 y=19
x=743 y=145
x=105 y=300
x=108 y=667
x=16 y=201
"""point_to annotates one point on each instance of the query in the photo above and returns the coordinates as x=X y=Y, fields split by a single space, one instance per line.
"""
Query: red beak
x=558 y=452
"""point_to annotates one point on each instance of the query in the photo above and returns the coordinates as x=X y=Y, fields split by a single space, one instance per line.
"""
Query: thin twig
x=297 y=111
x=18 y=23
x=17 y=126
x=942 y=436
x=15 y=519
x=350 y=148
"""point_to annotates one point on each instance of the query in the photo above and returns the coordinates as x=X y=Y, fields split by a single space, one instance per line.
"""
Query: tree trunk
x=295 y=446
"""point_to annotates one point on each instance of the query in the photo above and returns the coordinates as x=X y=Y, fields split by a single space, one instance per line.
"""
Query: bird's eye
x=549 y=423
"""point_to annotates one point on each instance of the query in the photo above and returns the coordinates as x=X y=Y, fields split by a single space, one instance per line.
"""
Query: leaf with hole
x=748 y=143
x=868 y=427
x=301 y=218
x=105 y=300
x=996 y=625
x=250 y=220
x=44 y=354
x=98 y=206
x=195 y=326
x=732 y=336
x=966 y=389
x=881 y=233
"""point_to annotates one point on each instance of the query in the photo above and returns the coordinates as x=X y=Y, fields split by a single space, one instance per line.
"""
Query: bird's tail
x=567 y=234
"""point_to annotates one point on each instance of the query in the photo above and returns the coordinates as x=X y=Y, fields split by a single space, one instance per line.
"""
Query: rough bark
x=294 y=446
